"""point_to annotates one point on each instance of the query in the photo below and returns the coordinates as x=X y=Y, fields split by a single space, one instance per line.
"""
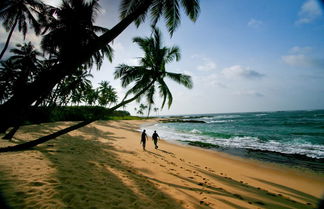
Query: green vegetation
x=73 y=113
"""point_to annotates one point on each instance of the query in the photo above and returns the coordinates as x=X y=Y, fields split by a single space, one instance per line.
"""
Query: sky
x=242 y=55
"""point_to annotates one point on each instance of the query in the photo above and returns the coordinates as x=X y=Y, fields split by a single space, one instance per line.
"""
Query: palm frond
x=150 y=98
x=156 y=12
x=172 y=15
x=173 y=53
x=182 y=79
x=192 y=8
x=165 y=93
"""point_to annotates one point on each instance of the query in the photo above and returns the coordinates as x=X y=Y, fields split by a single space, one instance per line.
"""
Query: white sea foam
x=261 y=114
x=195 y=131
x=247 y=142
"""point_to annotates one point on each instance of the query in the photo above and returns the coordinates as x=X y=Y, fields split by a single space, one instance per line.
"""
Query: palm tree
x=150 y=74
x=19 y=70
x=75 y=87
x=142 y=108
x=13 y=12
x=28 y=59
x=131 y=11
x=91 y=96
x=140 y=112
x=8 y=76
x=156 y=109
x=107 y=94
x=72 y=29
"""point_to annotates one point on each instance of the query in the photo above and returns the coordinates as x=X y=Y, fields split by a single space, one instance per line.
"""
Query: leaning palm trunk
x=124 y=102
x=15 y=107
x=43 y=139
x=11 y=133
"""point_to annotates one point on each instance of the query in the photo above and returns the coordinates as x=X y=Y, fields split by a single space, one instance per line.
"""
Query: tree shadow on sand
x=101 y=180
x=88 y=174
x=253 y=196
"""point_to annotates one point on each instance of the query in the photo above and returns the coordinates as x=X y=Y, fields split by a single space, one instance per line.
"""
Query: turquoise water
x=293 y=134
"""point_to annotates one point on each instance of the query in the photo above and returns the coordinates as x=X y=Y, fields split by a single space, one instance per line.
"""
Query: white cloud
x=18 y=38
x=249 y=93
x=118 y=46
x=132 y=62
x=309 y=12
x=211 y=80
x=253 y=23
x=301 y=50
x=301 y=57
x=300 y=60
x=208 y=65
x=238 y=71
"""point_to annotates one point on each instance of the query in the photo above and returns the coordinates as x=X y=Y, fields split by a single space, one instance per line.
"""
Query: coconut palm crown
x=168 y=9
x=70 y=30
x=148 y=77
x=19 y=12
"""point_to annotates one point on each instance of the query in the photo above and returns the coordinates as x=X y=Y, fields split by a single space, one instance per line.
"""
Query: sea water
x=291 y=137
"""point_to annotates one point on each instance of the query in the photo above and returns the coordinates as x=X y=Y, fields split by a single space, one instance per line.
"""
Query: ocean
x=295 y=138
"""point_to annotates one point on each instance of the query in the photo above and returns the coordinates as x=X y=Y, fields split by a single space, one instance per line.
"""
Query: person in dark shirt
x=155 y=138
x=143 y=139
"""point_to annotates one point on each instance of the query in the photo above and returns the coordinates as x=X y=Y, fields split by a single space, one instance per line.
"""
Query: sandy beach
x=102 y=165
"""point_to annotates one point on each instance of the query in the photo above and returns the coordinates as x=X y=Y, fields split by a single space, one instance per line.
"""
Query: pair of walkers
x=144 y=137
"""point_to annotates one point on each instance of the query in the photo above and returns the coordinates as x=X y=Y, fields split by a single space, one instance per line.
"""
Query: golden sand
x=102 y=165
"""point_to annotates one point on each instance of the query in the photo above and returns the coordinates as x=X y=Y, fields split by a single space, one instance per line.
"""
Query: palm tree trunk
x=133 y=98
x=11 y=132
x=43 y=139
x=9 y=37
x=119 y=28
x=18 y=103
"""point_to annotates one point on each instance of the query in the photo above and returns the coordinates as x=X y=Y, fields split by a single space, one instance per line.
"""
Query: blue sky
x=243 y=55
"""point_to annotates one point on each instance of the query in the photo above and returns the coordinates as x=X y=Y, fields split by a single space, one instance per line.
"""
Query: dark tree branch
x=43 y=139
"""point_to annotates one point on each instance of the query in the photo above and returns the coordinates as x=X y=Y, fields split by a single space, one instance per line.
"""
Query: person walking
x=155 y=138
x=143 y=139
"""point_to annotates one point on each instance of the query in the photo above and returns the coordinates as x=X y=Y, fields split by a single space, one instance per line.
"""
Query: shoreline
x=234 y=153
x=296 y=161
x=102 y=165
